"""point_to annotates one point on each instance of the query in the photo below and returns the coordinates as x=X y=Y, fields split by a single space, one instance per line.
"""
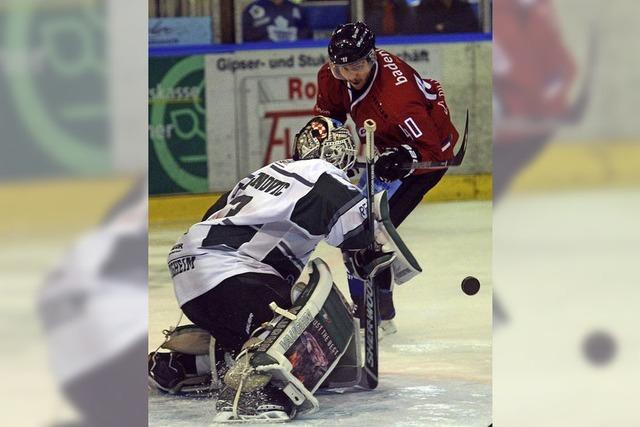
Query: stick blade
x=457 y=160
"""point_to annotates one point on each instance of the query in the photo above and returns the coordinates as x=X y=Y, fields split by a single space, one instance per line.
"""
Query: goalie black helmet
x=351 y=42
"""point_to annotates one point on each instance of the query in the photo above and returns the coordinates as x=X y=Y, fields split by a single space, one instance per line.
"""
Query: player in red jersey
x=413 y=124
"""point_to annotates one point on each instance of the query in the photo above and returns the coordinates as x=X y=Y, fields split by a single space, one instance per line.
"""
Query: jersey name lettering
x=268 y=184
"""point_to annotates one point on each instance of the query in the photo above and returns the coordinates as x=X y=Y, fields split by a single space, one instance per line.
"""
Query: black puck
x=470 y=285
x=599 y=348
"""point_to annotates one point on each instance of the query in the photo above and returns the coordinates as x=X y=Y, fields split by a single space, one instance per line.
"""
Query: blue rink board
x=186 y=50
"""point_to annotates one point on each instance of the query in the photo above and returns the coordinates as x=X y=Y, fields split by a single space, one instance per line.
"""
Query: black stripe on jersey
x=292 y=175
x=232 y=236
x=320 y=208
x=219 y=204
x=283 y=265
x=357 y=238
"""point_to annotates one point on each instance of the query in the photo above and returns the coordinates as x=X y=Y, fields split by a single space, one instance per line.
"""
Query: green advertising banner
x=177 y=126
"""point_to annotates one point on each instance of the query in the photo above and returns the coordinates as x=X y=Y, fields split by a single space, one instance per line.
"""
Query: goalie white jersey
x=270 y=222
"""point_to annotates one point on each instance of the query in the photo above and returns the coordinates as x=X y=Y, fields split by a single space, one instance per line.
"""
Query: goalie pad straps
x=404 y=266
x=193 y=340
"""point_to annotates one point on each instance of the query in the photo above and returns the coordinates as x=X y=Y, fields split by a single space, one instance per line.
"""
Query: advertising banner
x=269 y=94
x=177 y=134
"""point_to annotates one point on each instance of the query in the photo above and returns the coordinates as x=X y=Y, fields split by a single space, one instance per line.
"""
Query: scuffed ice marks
x=399 y=401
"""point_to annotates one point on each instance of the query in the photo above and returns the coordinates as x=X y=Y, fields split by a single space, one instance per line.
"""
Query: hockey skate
x=169 y=373
x=267 y=404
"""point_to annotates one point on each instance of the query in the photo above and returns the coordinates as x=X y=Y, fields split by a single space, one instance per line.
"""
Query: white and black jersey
x=270 y=223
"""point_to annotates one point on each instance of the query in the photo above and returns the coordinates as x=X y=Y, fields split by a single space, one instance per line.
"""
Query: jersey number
x=240 y=202
x=413 y=127
x=425 y=88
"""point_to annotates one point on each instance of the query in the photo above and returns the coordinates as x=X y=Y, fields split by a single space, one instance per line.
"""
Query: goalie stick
x=370 y=369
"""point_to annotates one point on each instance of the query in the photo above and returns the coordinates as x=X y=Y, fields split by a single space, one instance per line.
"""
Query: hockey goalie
x=268 y=332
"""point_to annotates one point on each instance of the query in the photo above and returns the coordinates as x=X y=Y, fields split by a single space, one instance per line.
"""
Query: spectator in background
x=438 y=16
x=274 y=20
x=374 y=14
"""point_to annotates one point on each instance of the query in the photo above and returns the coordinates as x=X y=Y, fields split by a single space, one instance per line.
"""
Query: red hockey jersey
x=406 y=108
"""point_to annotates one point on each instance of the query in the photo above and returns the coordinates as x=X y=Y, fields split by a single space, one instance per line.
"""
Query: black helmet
x=350 y=42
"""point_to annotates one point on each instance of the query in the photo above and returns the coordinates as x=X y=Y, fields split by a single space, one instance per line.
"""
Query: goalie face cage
x=324 y=138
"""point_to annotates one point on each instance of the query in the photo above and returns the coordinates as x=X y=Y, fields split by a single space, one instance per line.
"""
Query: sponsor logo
x=180 y=265
x=393 y=67
x=296 y=330
x=174 y=95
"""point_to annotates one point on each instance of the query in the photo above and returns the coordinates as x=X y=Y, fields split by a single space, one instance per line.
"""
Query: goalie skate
x=167 y=375
x=264 y=405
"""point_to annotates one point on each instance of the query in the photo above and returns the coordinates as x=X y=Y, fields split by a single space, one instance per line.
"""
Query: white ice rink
x=435 y=371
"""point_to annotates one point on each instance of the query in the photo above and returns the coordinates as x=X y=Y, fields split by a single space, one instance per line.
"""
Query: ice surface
x=435 y=371
x=567 y=267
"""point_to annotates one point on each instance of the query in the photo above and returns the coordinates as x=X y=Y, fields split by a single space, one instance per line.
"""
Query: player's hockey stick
x=456 y=161
x=370 y=369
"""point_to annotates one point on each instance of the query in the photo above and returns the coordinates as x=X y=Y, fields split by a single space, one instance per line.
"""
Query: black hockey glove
x=366 y=262
x=354 y=171
x=388 y=166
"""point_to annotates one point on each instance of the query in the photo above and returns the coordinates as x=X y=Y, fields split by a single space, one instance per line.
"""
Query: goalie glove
x=366 y=263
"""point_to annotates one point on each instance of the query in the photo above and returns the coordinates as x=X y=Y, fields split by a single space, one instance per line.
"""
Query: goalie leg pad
x=299 y=352
x=404 y=266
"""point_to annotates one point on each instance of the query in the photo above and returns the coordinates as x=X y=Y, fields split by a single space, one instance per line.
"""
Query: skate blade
x=181 y=389
x=262 y=418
